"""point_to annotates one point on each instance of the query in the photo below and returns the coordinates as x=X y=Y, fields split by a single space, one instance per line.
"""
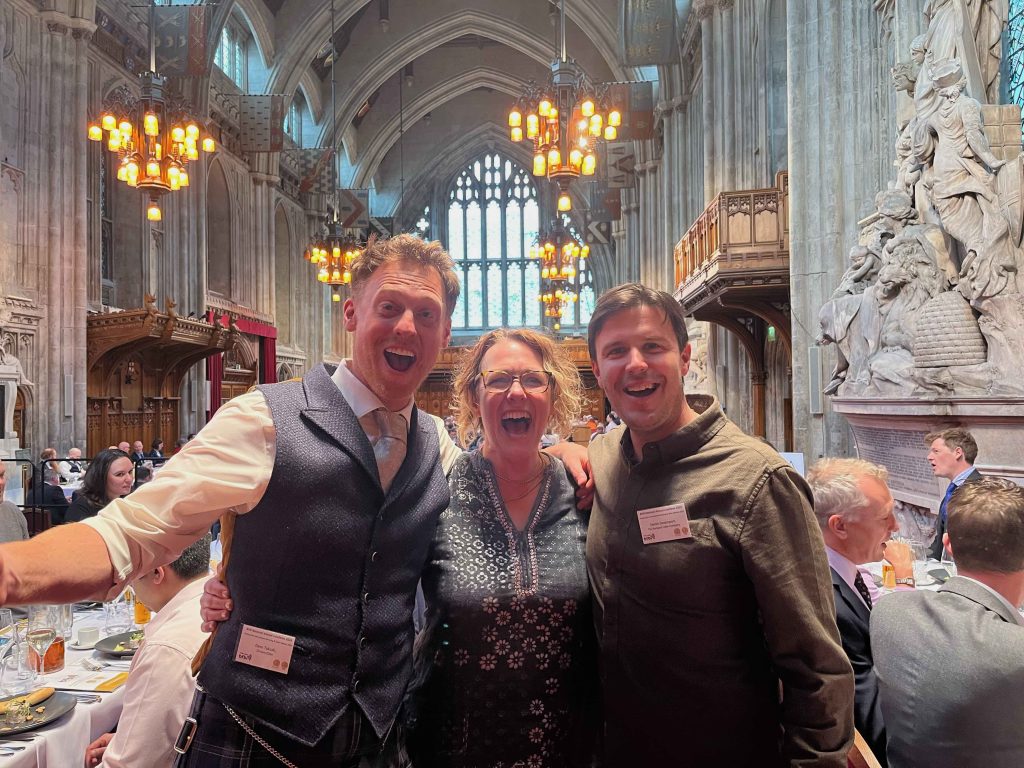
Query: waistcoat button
x=366 y=597
x=363 y=641
x=355 y=684
x=374 y=557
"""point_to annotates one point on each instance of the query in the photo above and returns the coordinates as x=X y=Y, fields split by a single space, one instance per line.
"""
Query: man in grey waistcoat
x=331 y=488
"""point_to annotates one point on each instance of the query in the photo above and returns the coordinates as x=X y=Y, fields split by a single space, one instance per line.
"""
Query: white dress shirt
x=225 y=468
x=848 y=571
x=160 y=685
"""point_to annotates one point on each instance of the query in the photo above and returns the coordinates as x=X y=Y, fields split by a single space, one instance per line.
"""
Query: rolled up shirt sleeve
x=225 y=468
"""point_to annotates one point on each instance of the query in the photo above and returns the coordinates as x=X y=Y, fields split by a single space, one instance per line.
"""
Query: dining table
x=62 y=743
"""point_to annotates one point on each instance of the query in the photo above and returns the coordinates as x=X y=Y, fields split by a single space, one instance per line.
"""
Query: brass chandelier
x=336 y=248
x=565 y=119
x=153 y=136
x=560 y=254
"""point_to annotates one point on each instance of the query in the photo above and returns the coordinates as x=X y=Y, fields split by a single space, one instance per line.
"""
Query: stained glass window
x=493 y=219
x=230 y=54
x=1014 y=62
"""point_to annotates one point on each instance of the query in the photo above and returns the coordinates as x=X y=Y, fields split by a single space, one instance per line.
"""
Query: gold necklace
x=530 y=489
x=530 y=479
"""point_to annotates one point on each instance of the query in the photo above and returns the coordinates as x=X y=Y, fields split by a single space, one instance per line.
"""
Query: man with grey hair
x=855 y=511
x=950 y=663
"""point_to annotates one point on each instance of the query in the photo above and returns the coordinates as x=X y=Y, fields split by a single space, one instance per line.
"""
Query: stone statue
x=970 y=31
x=963 y=188
x=11 y=375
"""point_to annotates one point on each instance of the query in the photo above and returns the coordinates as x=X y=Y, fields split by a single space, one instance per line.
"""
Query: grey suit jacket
x=950 y=667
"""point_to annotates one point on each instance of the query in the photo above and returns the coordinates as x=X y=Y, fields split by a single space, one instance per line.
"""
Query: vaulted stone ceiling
x=469 y=60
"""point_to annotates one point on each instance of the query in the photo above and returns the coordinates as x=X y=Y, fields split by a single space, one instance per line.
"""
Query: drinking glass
x=6 y=630
x=16 y=673
x=947 y=562
x=43 y=624
x=118 y=614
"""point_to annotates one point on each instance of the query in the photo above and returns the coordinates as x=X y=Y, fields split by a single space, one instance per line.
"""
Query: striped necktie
x=390 y=444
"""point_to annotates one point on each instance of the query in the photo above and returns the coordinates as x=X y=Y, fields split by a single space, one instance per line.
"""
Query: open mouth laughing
x=641 y=389
x=400 y=359
x=516 y=422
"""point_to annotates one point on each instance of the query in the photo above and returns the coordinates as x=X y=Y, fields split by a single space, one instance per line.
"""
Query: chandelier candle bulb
x=515 y=118
x=109 y=122
x=153 y=212
x=587 y=107
x=615 y=118
x=151 y=125
x=544 y=107
x=192 y=132
x=183 y=179
x=517 y=134
x=95 y=133
x=610 y=133
x=209 y=145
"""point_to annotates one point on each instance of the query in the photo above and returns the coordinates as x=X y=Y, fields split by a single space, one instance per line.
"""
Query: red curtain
x=214 y=379
x=267 y=372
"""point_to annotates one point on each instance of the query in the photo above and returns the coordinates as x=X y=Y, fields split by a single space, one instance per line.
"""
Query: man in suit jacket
x=855 y=511
x=47 y=494
x=951 y=452
x=138 y=454
x=950 y=663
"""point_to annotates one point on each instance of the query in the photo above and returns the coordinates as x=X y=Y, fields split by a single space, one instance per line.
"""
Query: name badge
x=667 y=523
x=265 y=649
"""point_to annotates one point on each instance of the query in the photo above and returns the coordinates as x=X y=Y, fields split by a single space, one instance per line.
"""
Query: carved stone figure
x=11 y=375
x=970 y=31
x=963 y=188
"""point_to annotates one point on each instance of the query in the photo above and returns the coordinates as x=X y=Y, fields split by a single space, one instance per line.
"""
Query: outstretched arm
x=61 y=565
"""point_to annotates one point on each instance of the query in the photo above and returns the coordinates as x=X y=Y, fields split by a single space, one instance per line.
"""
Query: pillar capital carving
x=725 y=5
x=704 y=9
x=265 y=178
x=60 y=23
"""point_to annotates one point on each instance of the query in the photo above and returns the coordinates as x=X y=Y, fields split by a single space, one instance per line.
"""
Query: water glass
x=118 y=614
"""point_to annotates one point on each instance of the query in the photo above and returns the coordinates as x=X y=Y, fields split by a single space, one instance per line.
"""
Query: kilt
x=220 y=742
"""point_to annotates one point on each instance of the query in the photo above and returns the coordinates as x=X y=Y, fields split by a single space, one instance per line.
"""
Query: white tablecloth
x=62 y=743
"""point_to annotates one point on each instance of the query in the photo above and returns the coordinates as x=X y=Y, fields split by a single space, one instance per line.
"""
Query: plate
x=57 y=706
x=109 y=645
x=77 y=647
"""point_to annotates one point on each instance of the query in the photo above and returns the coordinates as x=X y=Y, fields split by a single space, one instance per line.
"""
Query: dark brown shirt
x=700 y=636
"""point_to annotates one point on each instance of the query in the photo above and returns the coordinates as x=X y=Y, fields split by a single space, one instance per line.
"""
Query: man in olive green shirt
x=713 y=601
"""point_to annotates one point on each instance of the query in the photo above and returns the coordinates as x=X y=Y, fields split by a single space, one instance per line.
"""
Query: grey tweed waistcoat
x=328 y=558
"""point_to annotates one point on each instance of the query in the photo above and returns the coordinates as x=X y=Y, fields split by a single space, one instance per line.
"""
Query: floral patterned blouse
x=506 y=663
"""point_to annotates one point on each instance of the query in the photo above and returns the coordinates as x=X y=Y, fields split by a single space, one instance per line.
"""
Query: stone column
x=62 y=166
x=704 y=10
x=840 y=155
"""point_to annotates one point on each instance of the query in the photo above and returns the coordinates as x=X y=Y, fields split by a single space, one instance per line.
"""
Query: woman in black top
x=109 y=476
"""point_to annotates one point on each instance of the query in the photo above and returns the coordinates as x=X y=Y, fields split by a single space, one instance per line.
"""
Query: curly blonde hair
x=566 y=396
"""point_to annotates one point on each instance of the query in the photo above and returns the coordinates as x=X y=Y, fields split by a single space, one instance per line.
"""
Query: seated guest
x=49 y=495
x=122 y=446
x=138 y=452
x=950 y=663
x=108 y=477
x=854 y=509
x=160 y=683
x=143 y=475
x=156 y=454
x=12 y=520
x=72 y=469
x=48 y=458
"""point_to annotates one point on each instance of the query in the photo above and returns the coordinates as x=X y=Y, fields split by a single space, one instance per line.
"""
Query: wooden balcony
x=738 y=247
x=732 y=269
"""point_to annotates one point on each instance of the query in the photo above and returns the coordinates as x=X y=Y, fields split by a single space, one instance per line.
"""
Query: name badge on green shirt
x=668 y=523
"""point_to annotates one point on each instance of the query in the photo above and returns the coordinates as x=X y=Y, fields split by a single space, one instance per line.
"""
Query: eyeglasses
x=497 y=382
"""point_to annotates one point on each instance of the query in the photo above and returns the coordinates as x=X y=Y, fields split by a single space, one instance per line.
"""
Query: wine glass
x=6 y=630
x=43 y=621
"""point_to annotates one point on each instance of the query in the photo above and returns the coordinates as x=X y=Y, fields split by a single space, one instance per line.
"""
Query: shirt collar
x=959 y=479
x=847 y=570
x=686 y=441
x=359 y=397
x=1014 y=611
x=191 y=591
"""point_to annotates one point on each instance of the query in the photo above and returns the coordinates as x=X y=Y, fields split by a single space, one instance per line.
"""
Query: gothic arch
x=218 y=230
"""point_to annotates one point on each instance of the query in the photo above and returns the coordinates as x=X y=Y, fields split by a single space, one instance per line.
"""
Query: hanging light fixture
x=153 y=136
x=560 y=254
x=565 y=120
x=337 y=247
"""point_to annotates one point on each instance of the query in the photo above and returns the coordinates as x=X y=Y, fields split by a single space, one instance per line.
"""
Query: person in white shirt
x=72 y=469
x=160 y=682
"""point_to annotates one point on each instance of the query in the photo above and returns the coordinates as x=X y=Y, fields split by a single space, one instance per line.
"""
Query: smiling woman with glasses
x=506 y=669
